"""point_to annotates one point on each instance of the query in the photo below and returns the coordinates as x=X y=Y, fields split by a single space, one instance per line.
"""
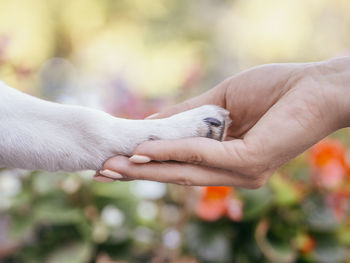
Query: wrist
x=333 y=79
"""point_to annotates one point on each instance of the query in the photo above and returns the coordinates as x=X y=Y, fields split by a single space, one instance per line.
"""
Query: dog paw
x=209 y=121
x=214 y=122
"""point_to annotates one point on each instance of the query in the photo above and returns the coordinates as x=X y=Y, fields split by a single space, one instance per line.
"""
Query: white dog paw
x=209 y=121
x=214 y=122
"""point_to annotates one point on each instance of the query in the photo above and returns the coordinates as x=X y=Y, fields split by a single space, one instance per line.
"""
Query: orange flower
x=326 y=151
x=217 y=201
x=329 y=164
x=306 y=244
x=217 y=192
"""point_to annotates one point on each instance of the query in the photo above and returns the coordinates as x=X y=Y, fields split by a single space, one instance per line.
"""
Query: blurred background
x=132 y=58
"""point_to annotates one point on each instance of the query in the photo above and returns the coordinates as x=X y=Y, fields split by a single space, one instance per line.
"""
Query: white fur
x=41 y=135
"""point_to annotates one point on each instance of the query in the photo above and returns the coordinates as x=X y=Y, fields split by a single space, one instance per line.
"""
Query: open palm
x=277 y=112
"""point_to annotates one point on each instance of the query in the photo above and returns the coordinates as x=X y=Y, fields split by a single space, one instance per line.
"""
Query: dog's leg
x=41 y=135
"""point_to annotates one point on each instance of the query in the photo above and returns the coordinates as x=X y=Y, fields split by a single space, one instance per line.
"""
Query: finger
x=103 y=179
x=229 y=155
x=215 y=96
x=180 y=173
x=98 y=177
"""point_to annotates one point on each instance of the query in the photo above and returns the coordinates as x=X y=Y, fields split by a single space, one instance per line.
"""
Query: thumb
x=215 y=96
x=225 y=155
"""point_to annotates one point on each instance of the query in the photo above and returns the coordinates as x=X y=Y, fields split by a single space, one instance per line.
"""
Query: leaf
x=53 y=216
x=45 y=183
x=318 y=215
x=283 y=252
x=329 y=251
x=256 y=202
x=209 y=245
x=286 y=192
x=71 y=253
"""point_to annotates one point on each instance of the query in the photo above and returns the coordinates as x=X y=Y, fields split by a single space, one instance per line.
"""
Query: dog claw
x=212 y=121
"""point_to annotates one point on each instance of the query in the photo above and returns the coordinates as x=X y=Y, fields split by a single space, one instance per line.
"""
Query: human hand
x=277 y=111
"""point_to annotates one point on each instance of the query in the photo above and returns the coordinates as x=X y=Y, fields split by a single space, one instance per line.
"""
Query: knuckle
x=182 y=180
x=257 y=170
x=194 y=158
x=256 y=184
x=259 y=181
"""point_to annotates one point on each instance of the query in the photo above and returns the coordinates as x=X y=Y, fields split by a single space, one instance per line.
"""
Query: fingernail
x=111 y=174
x=139 y=159
x=103 y=179
x=152 y=116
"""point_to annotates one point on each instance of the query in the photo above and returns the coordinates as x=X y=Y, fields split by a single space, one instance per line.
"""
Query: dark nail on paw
x=222 y=132
x=210 y=134
x=212 y=121
x=153 y=138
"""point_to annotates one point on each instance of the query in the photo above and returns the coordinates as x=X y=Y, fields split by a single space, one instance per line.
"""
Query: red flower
x=218 y=201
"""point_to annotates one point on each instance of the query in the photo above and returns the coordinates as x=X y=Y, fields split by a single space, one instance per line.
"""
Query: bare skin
x=278 y=111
